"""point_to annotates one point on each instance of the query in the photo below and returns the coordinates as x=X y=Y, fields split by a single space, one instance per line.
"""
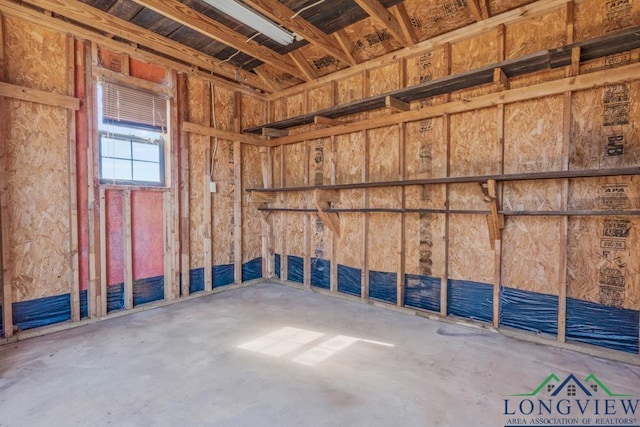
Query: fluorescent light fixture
x=253 y=19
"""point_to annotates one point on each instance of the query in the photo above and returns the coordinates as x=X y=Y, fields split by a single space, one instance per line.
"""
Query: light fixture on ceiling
x=253 y=19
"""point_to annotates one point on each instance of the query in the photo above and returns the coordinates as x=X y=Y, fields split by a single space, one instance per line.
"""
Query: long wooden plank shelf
x=461 y=212
x=609 y=44
x=593 y=173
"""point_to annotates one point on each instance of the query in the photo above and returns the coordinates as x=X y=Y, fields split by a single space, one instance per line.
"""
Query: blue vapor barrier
x=320 y=273
x=41 y=311
x=472 y=300
x=84 y=304
x=529 y=311
x=148 y=290
x=383 y=286
x=349 y=280
x=601 y=325
x=295 y=269
x=223 y=275
x=278 y=266
x=252 y=269
x=196 y=280
x=422 y=292
x=115 y=297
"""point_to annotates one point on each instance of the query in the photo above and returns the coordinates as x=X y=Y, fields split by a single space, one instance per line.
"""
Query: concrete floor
x=269 y=355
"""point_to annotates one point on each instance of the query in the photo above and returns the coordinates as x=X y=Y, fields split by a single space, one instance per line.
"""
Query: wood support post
x=183 y=115
x=128 y=251
x=237 y=192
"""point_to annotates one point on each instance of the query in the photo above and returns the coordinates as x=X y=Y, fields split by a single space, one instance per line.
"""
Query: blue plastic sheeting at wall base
x=601 y=325
x=252 y=270
x=196 y=280
x=115 y=297
x=349 y=280
x=383 y=286
x=529 y=311
x=41 y=312
x=148 y=290
x=223 y=275
x=295 y=269
x=278 y=266
x=422 y=292
x=84 y=304
x=320 y=273
x=472 y=300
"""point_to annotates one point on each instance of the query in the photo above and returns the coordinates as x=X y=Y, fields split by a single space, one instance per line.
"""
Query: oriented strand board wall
x=37 y=165
x=251 y=219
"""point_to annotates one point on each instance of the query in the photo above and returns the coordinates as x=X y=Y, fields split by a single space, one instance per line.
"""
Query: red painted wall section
x=145 y=71
x=110 y=60
x=147 y=231
x=81 y=168
x=115 y=236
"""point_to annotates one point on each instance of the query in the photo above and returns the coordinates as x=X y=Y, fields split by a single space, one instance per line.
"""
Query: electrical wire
x=307 y=8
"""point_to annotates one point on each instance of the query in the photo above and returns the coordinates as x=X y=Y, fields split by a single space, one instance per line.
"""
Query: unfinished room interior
x=320 y=213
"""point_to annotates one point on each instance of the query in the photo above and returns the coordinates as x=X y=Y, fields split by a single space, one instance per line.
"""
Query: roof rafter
x=98 y=19
x=188 y=17
x=381 y=14
x=283 y=15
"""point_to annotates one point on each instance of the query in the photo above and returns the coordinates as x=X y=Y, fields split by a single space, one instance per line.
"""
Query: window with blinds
x=132 y=129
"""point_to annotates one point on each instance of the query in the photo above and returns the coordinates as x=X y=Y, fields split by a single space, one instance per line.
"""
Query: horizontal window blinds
x=133 y=106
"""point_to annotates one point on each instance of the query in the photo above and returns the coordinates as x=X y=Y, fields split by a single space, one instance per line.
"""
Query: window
x=132 y=128
x=571 y=390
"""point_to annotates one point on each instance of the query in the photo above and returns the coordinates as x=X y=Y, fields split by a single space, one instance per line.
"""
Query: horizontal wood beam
x=134 y=81
x=458 y=211
x=38 y=96
x=99 y=20
x=269 y=132
x=564 y=174
x=190 y=18
x=541 y=90
x=281 y=14
x=513 y=16
x=396 y=104
x=326 y=121
x=222 y=134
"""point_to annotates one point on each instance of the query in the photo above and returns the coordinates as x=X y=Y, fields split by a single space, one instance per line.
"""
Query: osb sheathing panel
x=474 y=52
x=533 y=250
x=384 y=79
x=251 y=220
x=607 y=193
x=384 y=241
x=253 y=111
x=470 y=254
x=499 y=6
x=611 y=61
x=296 y=105
x=34 y=57
x=424 y=244
x=536 y=34
x=350 y=89
x=475 y=150
x=425 y=149
x=321 y=97
x=279 y=108
x=605 y=131
x=278 y=77
x=222 y=204
x=295 y=156
x=384 y=165
x=37 y=165
x=434 y=17
x=371 y=39
x=603 y=264
x=320 y=61
x=197 y=94
x=295 y=234
x=536 y=78
x=321 y=239
x=427 y=66
x=597 y=17
x=533 y=143
x=351 y=243
x=38 y=200
x=222 y=174
x=277 y=166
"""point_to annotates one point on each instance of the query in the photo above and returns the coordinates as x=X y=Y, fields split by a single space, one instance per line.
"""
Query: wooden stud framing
x=128 y=251
x=5 y=261
x=73 y=183
x=222 y=134
x=401 y=14
x=335 y=237
x=306 y=276
x=402 y=156
x=446 y=137
x=237 y=194
x=102 y=301
x=207 y=105
x=167 y=212
x=183 y=111
x=173 y=215
x=366 y=81
x=284 y=264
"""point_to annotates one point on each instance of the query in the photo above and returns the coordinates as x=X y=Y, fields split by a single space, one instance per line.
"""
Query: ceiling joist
x=188 y=17
x=479 y=9
x=281 y=14
x=378 y=12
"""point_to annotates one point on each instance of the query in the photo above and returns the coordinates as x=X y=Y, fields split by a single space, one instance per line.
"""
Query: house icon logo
x=573 y=401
